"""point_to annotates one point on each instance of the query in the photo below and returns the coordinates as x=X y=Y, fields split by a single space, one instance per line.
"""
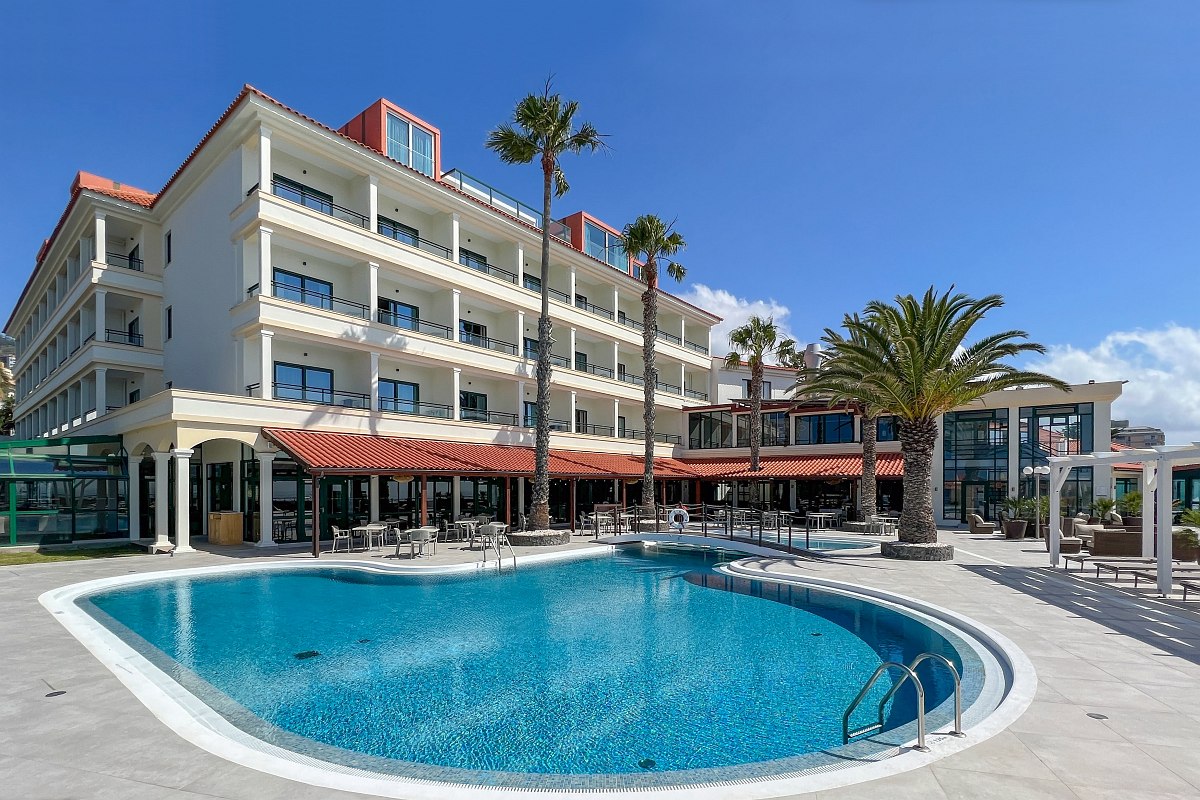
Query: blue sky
x=816 y=154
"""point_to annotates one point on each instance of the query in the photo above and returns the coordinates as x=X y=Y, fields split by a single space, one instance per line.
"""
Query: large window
x=409 y=144
x=399 y=396
x=974 y=463
x=298 y=382
x=473 y=406
x=599 y=243
x=887 y=429
x=766 y=389
x=399 y=231
x=481 y=497
x=1061 y=430
x=477 y=261
x=399 y=315
x=825 y=429
x=303 y=289
x=706 y=429
x=472 y=333
x=774 y=429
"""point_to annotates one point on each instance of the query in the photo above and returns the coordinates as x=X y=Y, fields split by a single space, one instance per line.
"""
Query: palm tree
x=911 y=358
x=753 y=343
x=648 y=239
x=847 y=391
x=543 y=129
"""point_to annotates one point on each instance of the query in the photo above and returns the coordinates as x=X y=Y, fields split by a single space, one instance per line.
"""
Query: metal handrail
x=909 y=671
x=598 y=369
x=699 y=348
x=128 y=262
x=122 y=337
x=290 y=191
x=629 y=322
x=670 y=337
x=416 y=325
x=592 y=308
x=531 y=283
x=501 y=201
x=494 y=417
x=487 y=343
x=596 y=430
x=695 y=394
x=392 y=230
x=481 y=265
x=327 y=302
x=415 y=408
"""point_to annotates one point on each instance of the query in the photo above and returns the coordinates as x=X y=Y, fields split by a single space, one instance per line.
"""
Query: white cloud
x=1162 y=367
x=734 y=312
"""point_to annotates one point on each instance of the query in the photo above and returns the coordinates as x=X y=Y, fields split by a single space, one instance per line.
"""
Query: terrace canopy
x=1156 y=466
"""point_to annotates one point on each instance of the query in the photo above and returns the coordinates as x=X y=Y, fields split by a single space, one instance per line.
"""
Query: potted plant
x=1013 y=512
x=1103 y=508
x=1130 y=506
x=1185 y=545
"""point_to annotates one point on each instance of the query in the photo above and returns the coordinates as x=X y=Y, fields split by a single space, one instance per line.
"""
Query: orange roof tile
x=107 y=186
x=842 y=465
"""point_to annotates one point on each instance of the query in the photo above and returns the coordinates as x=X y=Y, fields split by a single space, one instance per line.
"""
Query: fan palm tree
x=753 y=344
x=847 y=391
x=911 y=358
x=543 y=129
x=650 y=240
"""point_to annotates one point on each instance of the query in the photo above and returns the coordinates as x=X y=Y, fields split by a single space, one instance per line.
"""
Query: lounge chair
x=976 y=525
x=1178 y=573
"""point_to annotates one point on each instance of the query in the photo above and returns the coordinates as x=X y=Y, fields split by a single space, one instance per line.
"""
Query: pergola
x=1157 y=466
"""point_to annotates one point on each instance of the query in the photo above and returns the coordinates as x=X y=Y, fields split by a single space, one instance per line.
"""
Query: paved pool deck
x=1127 y=658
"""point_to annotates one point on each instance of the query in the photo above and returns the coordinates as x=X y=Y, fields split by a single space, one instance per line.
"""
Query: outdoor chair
x=976 y=525
x=340 y=535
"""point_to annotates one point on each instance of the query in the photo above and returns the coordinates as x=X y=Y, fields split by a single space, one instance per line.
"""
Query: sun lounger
x=1088 y=560
x=1189 y=584
x=1177 y=574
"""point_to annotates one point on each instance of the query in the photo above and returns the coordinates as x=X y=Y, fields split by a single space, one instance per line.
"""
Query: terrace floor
x=1127 y=657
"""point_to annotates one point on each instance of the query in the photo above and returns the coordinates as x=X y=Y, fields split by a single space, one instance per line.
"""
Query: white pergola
x=1157 y=464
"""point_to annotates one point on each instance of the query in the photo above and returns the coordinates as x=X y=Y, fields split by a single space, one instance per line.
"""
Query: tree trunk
x=867 y=491
x=917 y=439
x=540 y=513
x=649 y=376
x=756 y=382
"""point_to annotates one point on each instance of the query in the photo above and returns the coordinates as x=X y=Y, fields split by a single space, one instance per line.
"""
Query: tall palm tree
x=847 y=391
x=648 y=239
x=543 y=129
x=911 y=358
x=753 y=343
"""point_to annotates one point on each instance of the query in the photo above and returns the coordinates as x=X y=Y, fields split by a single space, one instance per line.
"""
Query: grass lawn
x=42 y=557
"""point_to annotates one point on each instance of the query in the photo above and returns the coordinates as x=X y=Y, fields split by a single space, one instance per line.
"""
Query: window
x=825 y=429
x=887 y=429
x=581 y=362
x=167 y=246
x=399 y=396
x=135 y=395
x=530 y=414
x=473 y=406
x=774 y=429
x=533 y=283
x=169 y=323
x=297 y=382
x=974 y=463
x=400 y=315
x=531 y=348
x=472 y=333
x=409 y=144
x=469 y=258
x=1059 y=431
x=303 y=289
x=606 y=246
x=581 y=420
x=766 y=389
x=304 y=195
x=620 y=426
x=399 y=231
x=710 y=429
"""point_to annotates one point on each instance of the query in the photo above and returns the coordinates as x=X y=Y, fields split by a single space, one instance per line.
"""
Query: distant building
x=1139 y=436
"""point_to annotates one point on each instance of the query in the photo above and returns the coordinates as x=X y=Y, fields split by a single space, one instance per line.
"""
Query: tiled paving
x=1130 y=659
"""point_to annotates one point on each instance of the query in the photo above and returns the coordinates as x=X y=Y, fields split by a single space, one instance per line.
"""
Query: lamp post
x=1037 y=509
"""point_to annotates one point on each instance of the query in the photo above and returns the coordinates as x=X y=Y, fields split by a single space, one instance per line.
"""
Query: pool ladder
x=910 y=673
x=494 y=541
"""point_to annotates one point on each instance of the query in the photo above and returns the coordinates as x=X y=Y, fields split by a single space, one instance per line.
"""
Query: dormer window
x=410 y=144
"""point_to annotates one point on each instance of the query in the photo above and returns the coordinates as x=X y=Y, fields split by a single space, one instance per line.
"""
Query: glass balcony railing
x=591 y=308
x=317 y=202
x=394 y=230
x=668 y=337
x=596 y=430
x=666 y=438
x=494 y=417
x=416 y=408
x=487 y=343
x=696 y=346
x=128 y=262
x=695 y=394
x=407 y=323
x=122 y=337
x=318 y=395
x=309 y=297
x=502 y=201
x=481 y=265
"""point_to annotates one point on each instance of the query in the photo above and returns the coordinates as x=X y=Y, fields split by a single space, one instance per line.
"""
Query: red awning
x=846 y=465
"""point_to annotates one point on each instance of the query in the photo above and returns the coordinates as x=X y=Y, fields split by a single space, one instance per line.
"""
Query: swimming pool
x=642 y=668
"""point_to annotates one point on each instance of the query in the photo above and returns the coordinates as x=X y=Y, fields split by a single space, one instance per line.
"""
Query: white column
x=521 y=403
x=162 y=495
x=101 y=313
x=265 y=272
x=455 y=496
x=683 y=381
x=264 y=159
x=573 y=340
x=1149 y=479
x=616 y=358
x=266 y=500
x=520 y=340
x=1058 y=477
x=101 y=238
x=616 y=416
x=85 y=254
x=266 y=365
x=455 y=313
x=683 y=329
x=1014 y=453
x=519 y=268
x=572 y=283
x=373 y=500
x=454 y=219
x=134 y=496
x=373 y=204
x=454 y=390
x=372 y=290
x=374 y=382
x=1163 y=487
x=616 y=301
x=183 y=480
x=571 y=420
x=101 y=391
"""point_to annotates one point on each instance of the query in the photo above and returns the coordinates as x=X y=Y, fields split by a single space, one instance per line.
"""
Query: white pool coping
x=197 y=723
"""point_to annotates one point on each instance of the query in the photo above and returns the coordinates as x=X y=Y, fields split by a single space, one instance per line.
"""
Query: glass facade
x=599 y=243
x=974 y=463
x=887 y=429
x=1060 y=430
x=774 y=429
x=709 y=429
x=56 y=491
x=825 y=429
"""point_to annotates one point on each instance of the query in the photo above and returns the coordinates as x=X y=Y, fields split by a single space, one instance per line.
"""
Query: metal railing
x=317 y=202
x=487 y=343
x=556 y=425
x=415 y=408
x=669 y=337
x=124 y=337
x=320 y=396
x=532 y=283
x=629 y=322
x=556 y=360
x=393 y=231
x=909 y=671
x=631 y=377
x=559 y=230
x=329 y=302
x=596 y=369
x=481 y=265
x=665 y=438
x=592 y=308
x=495 y=198
x=669 y=388
x=695 y=394
x=118 y=260
x=494 y=417
x=416 y=325
x=596 y=430
x=696 y=346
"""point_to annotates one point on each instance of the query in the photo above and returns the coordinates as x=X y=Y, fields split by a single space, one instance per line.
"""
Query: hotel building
x=306 y=310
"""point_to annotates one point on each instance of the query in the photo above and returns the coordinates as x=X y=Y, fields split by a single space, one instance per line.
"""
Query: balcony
x=308 y=198
x=629 y=377
x=394 y=230
x=669 y=388
x=127 y=262
x=311 y=394
x=591 y=308
x=629 y=322
x=534 y=284
x=665 y=438
x=695 y=394
x=503 y=202
x=487 y=343
x=596 y=369
x=122 y=337
x=696 y=347
x=481 y=265
x=596 y=430
x=555 y=360
x=493 y=417
x=556 y=425
x=415 y=408
x=310 y=297
x=406 y=323
x=668 y=337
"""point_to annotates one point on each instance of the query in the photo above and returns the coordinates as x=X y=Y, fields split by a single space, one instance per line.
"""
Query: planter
x=907 y=551
x=1182 y=551
x=1015 y=528
x=539 y=538
x=1133 y=522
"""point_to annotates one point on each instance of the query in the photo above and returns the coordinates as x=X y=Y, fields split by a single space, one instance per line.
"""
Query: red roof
x=107 y=186
x=838 y=465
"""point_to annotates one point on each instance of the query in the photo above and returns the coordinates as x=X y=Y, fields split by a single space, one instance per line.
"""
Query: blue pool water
x=643 y=666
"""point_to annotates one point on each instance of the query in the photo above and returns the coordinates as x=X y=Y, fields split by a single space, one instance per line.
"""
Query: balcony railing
x=556 y=360
x=309 y=297
x=124 y=337
x=415 y=408
x=118 y=260
x=599 y=311
x=492 y=196
x=480 y=265
x=695 y=394
x=696 y=346
x=407 y=323
x=629 y=377
x=560 y=231
x=318 y=203
x=391 y=231
x=320 y=396
x=669 y=337
x=596 y=430
x=665 y=438
x=494 y=417
x=596 y=369
x=629 y=322
x=534 y=284
x=556 y=425
x=669 y=388
x=487 y=343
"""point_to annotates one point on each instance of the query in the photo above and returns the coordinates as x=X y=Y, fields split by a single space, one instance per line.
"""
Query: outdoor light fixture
x=1037 y=513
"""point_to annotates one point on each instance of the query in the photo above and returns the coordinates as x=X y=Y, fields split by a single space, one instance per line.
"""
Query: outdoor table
x=467 y=528
x=820 y=519
x=369 y=532
x=412 y=546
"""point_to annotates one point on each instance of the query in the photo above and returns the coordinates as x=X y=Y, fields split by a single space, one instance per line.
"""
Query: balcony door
x=399 y=396
x=298 y=382
x=473 y=406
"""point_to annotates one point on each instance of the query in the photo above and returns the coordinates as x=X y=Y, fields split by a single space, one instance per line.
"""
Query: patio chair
x=418 y=538
x=976 y=525
x=340 y=535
